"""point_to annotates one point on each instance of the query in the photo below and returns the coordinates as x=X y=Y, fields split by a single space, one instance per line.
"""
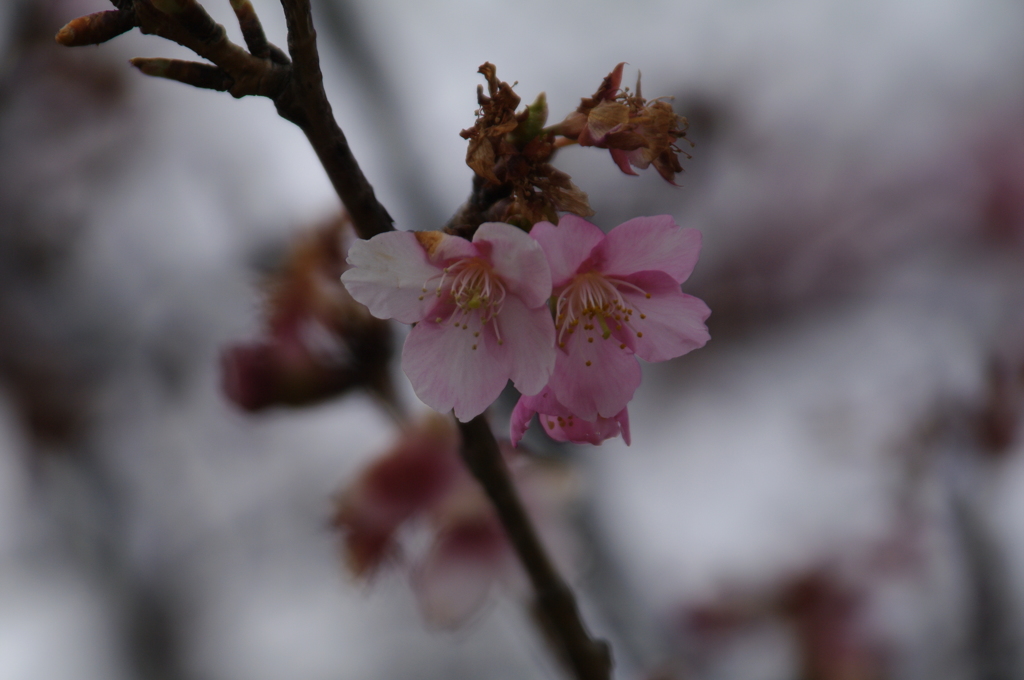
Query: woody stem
x=589 y=658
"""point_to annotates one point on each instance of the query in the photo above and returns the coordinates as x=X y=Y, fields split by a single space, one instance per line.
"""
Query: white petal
x=390 y=275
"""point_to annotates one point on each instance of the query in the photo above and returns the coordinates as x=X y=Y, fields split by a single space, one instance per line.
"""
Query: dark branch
x=192 y=73
x=252 y=29
x=305 y=104
x=589 y=659
x=295 y=86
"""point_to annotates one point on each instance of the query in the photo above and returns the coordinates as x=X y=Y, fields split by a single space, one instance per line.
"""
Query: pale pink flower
x=421 y=468
x=421 y=485
x=470 y=555
x=618 y=296
x=561 y=425
x=480 y=310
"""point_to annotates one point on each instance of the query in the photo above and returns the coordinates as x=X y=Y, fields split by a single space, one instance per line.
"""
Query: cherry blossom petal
x=559 y=423
x=457 y=575
x=517 y=259
x=581 y=431
x=621 y=159
x=388 y=275
x=528 y=344
x=669 y=323
x=595 y=378
x=566 y=246
x=442 y=248
x=649 y=244
x=452 y=368
x=542 y=402
x=623 y=421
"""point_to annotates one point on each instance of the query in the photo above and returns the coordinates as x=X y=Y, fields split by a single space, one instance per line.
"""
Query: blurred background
x=832 y=489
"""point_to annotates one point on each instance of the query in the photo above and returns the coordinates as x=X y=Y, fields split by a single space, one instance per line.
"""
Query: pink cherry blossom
x=470 y=555
x=480 y=310
x=419 y=470
x=418 y=506
x=617 y=295
x=561 y=425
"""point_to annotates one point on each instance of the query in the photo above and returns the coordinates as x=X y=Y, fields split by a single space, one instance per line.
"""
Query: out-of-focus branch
x=557 y=609
x=295 y=86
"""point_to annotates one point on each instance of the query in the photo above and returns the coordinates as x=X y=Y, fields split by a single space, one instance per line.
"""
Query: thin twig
x=305 y=104
x=295 y=86
x=589 y=659
x=252 y=29
x=191 y=73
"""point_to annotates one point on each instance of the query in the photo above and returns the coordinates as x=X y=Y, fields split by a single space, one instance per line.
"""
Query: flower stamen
x=593 y=297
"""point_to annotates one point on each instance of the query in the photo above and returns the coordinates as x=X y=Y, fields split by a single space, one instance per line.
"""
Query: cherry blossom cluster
x=563 y=311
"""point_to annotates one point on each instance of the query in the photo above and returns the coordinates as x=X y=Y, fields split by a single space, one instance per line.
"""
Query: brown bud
x=97 y=28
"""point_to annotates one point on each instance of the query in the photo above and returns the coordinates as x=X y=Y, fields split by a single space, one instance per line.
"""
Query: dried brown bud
x=637 y=132
x=496 y=118
x=514 y=149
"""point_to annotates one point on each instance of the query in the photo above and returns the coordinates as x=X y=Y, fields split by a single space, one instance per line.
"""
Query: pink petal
x=557 y=421
x=621 y=159
x=674 y=323
x=450 y=591
x=446 y=371
x=388 y=275
x=623 y=419
x=650 y=244
x=581 y=431
x=528 y=349
x=566 y=246
x=518 y=260
x=442 y=248
x=602 y=388
x=542 y=402
x=456 y=577
x=638 y=158
x=522 y=414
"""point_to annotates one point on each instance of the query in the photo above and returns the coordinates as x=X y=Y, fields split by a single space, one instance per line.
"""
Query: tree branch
x=295 y=86
x=305 y=103
x=589 y=659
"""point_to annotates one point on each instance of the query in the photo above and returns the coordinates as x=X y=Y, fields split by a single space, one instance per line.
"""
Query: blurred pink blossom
x=421 y=482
